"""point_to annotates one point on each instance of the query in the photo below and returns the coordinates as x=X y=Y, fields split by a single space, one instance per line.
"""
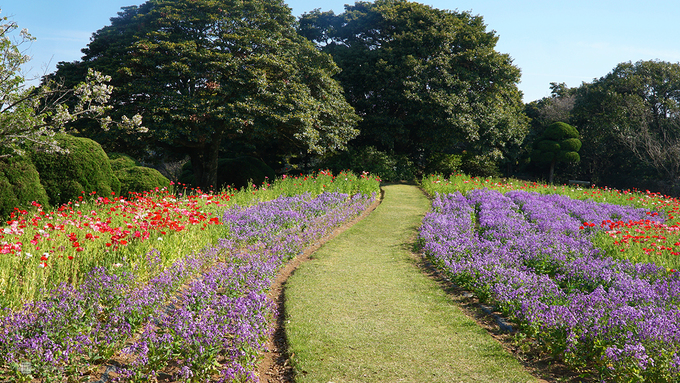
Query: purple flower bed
x=526 y=252
x=206 y=316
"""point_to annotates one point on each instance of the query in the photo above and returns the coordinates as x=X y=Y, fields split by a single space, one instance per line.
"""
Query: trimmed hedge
x=19 y=185
x=138 y=179
x=85 y=168
x=120 y=161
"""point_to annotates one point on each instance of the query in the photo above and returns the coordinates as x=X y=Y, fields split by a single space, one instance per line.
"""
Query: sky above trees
x=550 y=41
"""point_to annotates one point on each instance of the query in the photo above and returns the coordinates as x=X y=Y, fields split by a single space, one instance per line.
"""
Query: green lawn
x=362 y=311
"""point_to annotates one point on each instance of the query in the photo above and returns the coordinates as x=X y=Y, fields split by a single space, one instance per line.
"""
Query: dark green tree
x=637 y=108
x=203 y=72
x=424 y=80
x=558 y=143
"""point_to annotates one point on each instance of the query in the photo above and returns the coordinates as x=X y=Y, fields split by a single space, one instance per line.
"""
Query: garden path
x=362 y=310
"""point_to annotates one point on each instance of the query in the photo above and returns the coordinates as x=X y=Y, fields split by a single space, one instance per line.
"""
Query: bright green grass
x=362 y=311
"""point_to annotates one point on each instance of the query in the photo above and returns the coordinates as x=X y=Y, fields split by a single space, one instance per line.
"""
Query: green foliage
x=571 y=145
x=238 y=172
x=208 y=72
x=443 y=163
x=84 y=168
x=630 y=123
x=423 y=79
x=138 y=179
x=388 y=166
x=560 y=131
x=243 y=171
x=480 y=165
x=558 y=143
x=120 y=161
x=19 y=185
x=548 y=146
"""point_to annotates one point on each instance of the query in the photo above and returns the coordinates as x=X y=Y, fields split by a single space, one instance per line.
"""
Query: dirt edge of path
x=275 y=365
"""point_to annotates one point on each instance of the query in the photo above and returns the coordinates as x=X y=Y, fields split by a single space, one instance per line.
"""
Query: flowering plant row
x=533 y=255
x=40 y=249
x=206 y=316
x=645 y=240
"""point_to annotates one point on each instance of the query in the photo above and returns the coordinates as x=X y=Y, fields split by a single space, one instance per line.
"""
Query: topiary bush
x=19 y=185
x=139 y=179
x=558 y=143
x=135 y=178
x=85 y=168
x=120 y=161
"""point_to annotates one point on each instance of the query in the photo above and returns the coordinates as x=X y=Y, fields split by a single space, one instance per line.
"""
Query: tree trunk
x=552 y=172
x=204 y=162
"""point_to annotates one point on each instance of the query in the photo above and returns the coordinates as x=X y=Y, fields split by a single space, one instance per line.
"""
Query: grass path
x=362 y=311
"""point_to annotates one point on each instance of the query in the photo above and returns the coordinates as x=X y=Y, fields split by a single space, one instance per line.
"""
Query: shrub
x=120 y=161
x=140 y=179
x=480 y=165
x=85 y=168
x=238 y=172
x=19 y=185
x=388 y=166
x=442 y=163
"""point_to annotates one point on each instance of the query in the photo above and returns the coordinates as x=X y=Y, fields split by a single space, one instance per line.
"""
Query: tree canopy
x=631 y=118
x=424 y=80
x=206 y=72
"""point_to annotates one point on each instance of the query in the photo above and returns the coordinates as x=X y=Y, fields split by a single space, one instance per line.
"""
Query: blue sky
x=550 y=41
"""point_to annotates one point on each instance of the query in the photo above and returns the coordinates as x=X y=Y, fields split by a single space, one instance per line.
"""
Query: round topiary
x=19 y=185
x=567 y=156
x=139 y=179
x=85 y=168
x=571 y=145
x=548 y=146
x=558 y=131
x=121 y=161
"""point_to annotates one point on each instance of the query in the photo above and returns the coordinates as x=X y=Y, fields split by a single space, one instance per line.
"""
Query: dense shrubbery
x=389 y=166
x=19 y=185
x=139 y=179
x=134 y=178
x=85 y=168
x=120 y=161
x=238 y=172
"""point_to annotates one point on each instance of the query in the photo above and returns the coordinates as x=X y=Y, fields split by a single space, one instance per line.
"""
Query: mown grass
x=362 y=311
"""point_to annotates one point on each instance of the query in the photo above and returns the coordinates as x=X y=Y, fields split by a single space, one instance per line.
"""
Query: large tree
x=635 y=109
x=208 y=71
x=424 y=80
